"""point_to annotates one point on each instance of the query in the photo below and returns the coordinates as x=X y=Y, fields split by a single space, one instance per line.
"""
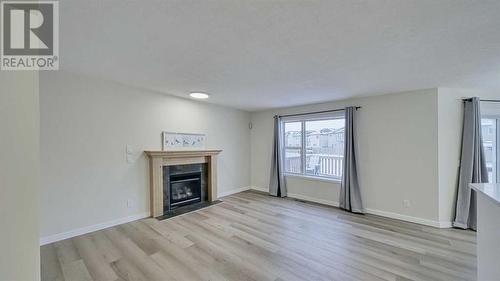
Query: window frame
x=303 y=119
x=497 y=141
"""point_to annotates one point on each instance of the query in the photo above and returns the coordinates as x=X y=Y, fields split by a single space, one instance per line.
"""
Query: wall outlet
x=130 y=203
x=406 y=203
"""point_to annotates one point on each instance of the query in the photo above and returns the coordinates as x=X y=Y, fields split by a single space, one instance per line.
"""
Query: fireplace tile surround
x=193 y=177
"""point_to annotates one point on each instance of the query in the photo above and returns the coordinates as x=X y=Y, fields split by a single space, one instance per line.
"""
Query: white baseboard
x=233 y=191
x=80 y=231
x=301 y=197
x=261 y=189
x=438 y=224
x=315 y=200
x=445 y=224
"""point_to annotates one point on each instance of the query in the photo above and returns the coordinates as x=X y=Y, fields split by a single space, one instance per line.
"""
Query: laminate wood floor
x=252 y=236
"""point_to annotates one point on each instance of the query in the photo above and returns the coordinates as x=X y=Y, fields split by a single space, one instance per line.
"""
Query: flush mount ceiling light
x=198 y=95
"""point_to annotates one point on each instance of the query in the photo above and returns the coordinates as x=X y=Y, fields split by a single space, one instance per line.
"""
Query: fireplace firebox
x=185 y=189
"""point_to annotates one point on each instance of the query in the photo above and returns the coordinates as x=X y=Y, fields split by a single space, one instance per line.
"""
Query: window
x=490 y=130
x=314 y=146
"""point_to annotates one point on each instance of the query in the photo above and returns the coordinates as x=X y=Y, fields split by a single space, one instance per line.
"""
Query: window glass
x=314 y=147
x=324 y=147
x=293 y=161
x=293 y=147
x=490 y=143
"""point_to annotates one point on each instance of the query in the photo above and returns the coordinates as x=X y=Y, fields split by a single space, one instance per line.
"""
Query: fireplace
x=184 y=185
x=181 y=165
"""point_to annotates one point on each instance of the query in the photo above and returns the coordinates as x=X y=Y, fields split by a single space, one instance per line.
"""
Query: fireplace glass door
x=185 y=189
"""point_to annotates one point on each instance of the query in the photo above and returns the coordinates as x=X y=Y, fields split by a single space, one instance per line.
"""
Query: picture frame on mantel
x=182 y=141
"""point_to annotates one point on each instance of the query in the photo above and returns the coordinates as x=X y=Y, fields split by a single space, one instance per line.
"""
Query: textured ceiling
x=260 y=54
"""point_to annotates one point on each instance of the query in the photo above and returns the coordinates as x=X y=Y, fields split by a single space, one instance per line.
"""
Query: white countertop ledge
x=490 y=190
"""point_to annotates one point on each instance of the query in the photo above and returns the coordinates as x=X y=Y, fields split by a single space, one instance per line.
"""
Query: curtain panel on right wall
x=472 y=165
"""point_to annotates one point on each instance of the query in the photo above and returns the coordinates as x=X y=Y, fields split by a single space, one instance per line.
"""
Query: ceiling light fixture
x=199 y=95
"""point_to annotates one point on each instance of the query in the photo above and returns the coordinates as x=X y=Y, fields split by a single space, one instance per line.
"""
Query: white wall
x=19 y=176
x=85 y=125
x=490 y=108
x=398 y=155
x=450 y=120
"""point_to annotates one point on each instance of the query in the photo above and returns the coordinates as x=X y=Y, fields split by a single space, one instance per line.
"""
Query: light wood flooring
x=252 y=236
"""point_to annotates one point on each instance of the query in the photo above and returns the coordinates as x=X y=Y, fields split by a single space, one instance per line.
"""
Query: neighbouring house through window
x=490 y=130
x=314 y=145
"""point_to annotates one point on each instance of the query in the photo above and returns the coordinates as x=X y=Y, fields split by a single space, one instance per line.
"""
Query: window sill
x=313 y=178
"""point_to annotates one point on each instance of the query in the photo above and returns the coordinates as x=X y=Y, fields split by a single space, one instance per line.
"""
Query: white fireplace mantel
x=159 y=159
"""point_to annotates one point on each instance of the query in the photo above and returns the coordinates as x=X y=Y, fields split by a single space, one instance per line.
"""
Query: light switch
x=129 y=149
x=129 y=153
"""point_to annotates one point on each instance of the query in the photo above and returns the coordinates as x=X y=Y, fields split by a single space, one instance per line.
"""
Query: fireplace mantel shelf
x=159 y=159
x=182 y=153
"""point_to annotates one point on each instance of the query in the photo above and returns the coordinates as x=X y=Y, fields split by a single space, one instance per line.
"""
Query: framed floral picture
x=182 y=141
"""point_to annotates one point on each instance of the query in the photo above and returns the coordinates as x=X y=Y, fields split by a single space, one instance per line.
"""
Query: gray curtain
x=277 y=184
x=350 y=195
x=472 y=166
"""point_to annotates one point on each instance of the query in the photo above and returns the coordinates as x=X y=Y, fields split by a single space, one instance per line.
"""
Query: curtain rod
x=486 y=100
x=316 y=112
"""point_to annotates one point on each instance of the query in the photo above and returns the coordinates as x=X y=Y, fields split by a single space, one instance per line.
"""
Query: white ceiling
x=258 y=54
